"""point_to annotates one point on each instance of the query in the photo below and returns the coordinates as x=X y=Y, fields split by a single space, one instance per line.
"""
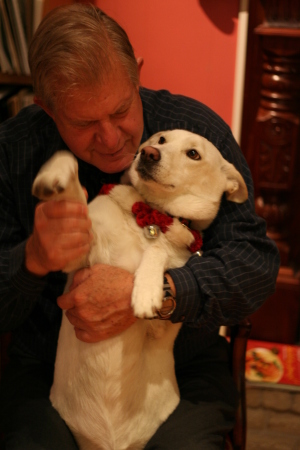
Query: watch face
x=168 y=307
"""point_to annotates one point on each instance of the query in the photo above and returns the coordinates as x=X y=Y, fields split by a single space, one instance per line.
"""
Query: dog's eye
x=193 y=154
x=162 y=140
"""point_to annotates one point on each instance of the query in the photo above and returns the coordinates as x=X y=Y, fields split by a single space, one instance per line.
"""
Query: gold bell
x=151 y=231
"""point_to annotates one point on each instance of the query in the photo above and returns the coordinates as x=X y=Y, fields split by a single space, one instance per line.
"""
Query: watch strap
x=169 y=302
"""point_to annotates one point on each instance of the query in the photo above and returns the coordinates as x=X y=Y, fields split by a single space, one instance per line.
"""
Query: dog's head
x=182 y=173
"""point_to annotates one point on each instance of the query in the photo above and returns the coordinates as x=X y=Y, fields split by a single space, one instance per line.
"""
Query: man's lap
x=203 y=417
x=207 y=408
x=27 y=417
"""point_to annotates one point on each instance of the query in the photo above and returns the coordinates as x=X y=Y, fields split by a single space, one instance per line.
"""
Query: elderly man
x=89 y=100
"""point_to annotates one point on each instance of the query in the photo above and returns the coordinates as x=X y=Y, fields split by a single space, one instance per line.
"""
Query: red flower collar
x=146 y=216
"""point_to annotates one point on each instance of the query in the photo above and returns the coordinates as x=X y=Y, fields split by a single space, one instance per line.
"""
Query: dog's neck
x=154 y=221
x=200 y=211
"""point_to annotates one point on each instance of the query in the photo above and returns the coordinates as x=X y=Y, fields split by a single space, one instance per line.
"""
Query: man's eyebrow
x=128 y=99
x=125 y=104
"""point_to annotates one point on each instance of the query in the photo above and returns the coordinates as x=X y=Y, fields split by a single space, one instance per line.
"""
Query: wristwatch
x=169 y=302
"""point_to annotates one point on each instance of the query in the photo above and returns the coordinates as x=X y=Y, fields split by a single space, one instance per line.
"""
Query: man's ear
x=40 y=103
x=140 y=63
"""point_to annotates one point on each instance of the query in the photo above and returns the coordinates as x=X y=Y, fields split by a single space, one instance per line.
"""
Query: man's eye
x=162 y=140
x=121 y=113
x=193 y=154
x=83 y=124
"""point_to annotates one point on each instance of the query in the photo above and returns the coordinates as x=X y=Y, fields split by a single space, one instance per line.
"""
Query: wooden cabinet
x=271 y=143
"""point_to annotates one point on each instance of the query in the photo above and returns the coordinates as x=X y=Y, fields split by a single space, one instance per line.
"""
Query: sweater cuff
x=188 y=299
x=22 y=279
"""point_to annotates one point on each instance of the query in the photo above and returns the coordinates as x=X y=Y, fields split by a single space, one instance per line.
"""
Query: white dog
x=115 y=394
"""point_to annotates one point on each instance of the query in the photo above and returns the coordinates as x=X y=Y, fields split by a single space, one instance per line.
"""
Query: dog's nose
x=150 y=154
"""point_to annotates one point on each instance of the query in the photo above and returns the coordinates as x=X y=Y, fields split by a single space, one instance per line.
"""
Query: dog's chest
x=119 y=241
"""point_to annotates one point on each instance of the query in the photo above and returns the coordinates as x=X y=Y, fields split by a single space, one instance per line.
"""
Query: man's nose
x=108 y=134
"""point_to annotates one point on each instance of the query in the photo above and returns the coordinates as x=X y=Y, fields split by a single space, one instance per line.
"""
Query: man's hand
x=61 y=234
x=99 y=302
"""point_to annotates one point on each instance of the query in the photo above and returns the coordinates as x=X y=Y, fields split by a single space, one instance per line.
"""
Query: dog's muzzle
x=149 y=157
x=150 y=154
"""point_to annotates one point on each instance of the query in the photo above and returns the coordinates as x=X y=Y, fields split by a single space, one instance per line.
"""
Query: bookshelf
x=12 y=19
x=7 y=78
x=17 y=26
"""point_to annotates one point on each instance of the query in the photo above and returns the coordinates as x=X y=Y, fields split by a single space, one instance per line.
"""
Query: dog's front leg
x=58 y=179
x=148 y=282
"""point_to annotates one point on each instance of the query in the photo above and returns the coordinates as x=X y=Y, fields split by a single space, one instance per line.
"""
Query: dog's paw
x=146 y=300
x=55 y=176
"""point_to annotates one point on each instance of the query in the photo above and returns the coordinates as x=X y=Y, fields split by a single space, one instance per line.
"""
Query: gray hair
x=76 y=46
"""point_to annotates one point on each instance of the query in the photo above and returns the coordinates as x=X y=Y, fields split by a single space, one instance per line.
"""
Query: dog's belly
x=116 y=393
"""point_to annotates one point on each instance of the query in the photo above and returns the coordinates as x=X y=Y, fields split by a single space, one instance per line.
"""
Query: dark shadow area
x=221 y=13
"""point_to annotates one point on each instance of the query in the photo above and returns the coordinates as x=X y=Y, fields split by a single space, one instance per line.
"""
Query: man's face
x=103 y=127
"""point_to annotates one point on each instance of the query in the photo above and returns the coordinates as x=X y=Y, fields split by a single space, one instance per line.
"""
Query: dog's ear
x=236 y=189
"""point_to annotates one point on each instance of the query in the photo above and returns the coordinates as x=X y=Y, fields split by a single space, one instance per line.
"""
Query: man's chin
x=115 y=166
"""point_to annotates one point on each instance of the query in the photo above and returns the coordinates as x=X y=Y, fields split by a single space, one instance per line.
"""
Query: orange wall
x=188 y=45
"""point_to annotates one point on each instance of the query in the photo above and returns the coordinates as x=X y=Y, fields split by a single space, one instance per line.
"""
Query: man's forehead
x=87 y=103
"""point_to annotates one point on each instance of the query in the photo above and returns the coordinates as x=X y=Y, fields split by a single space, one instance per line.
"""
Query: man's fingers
x=98 y=304
x=84 y=336
x=58 y=259
x=107 y=330
x=55 y=210
x=79 y=277
x=65 y=302
x=70 y=217
x=73 y=241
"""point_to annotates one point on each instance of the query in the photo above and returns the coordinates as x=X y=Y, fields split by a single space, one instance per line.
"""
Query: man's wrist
x=169 y=300
x=171 y=283
x=30 y=263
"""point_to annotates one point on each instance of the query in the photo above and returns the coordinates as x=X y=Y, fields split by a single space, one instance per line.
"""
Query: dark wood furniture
x=270 y=141
x=239 y=335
